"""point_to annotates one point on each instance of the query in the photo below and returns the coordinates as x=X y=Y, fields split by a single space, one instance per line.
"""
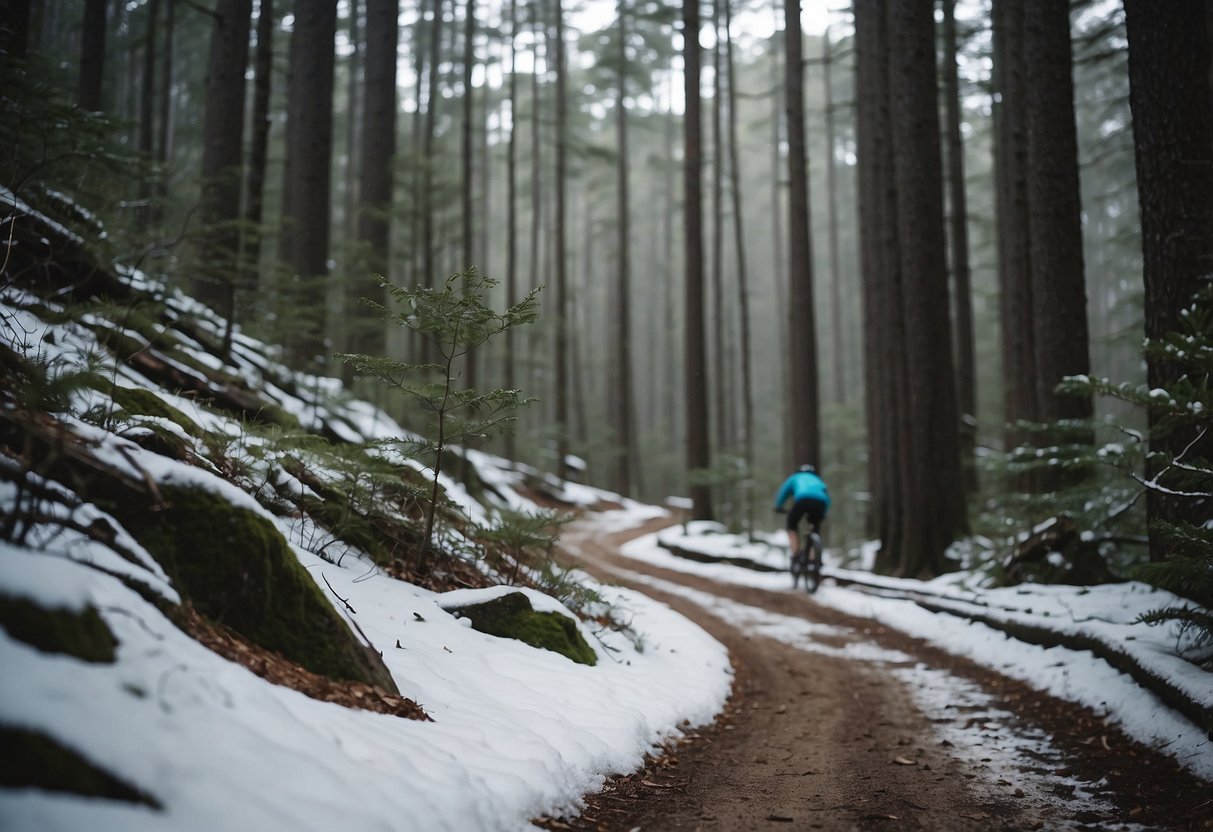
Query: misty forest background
x=878 y=244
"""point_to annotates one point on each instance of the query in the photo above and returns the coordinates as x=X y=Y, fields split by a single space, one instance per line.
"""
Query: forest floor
x=857 y=726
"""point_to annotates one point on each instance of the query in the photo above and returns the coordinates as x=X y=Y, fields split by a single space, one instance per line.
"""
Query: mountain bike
x=806 y=563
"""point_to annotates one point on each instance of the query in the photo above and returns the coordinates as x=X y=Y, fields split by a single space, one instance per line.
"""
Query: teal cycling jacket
x=802 y=486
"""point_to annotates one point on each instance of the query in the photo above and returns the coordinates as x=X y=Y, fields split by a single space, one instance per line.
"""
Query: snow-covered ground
x=1106 y=613
x=518 y=732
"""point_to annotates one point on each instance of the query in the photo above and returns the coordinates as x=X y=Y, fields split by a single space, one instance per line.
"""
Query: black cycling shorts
x=809 y=508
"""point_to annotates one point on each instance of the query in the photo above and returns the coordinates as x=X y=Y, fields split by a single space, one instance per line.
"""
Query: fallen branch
x=338 y=597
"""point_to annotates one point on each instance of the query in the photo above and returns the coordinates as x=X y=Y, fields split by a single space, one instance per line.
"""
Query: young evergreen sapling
x=453 y=319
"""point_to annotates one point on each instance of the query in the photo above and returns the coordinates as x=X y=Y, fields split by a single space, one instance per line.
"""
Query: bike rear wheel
x=800 y=568
x=812 y=578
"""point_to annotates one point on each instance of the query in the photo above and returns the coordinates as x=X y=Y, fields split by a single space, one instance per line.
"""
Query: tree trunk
x=428 y=266
x=1171 y=85
x=885 y=363
x=780 y=287
x=838 y=326
x=355 y=118
x=536 y=253
x=698 y=444
x=562 y=303
x=484 y=192
x=804 y=409
x=743 y=281
x=932 y=510
x=14 y=30
x=263 y=71
x=962 y=290
x=1014 y=265
x=164 y=146
x=222 y=156
x=466 y=163
x=467 y=172
x=623 y=294
x=1059 y=298
x=377 y=170
x=668 y=300
x=307 y=213
x=413 y=261
x=92 y=54
x=147 y=103
x=511 y=216
x=719 y=341
x=346 y=315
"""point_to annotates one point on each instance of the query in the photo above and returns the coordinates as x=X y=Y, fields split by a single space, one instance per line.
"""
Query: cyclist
x=810 y=500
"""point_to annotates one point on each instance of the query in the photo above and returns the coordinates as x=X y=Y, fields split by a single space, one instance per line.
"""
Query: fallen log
x=702 y=557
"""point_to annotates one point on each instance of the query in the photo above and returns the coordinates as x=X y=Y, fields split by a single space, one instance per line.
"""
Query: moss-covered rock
x=160 y=440
x=34 y=760
x=135 y=401
x=275 y=415
x=81 y=634
x=512 y=616
x=236 y=569
x=121 y=344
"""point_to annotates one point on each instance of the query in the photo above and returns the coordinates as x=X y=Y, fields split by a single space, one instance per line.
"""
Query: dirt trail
x=824 y=731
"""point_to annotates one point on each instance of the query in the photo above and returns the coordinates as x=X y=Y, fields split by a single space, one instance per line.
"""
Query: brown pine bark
x=1171 y=86
x=1059 y=298
x=623 y=294
x=958 y=238
x=698 y=442
x=428 y=266
x=466 y=162
x=511 y=215
x=353 y=124
x=780 y=287
x=14 y=29
x=837 y=327
x=164 y=144
x=307 y=212
x=886 y=370
x=743 y=281
x=222 y=156
x=147 y=93
x=1014 y=264
x=536 y=253
x=719 y=342
x=804 y=410
x=561 y=354
x=670 y=343
x=377 y=169
x=932 y=510
x=93 y=31
x=263 y=66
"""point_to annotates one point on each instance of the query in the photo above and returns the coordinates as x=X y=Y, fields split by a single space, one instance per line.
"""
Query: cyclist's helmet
x=808 y=469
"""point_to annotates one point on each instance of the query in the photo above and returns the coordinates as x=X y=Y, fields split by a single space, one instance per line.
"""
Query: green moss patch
x=80 y=634
x=236 y=569
x=275 y=415
x=138 y=402
x=512 y=616
x=158 y=440
x=31 y=759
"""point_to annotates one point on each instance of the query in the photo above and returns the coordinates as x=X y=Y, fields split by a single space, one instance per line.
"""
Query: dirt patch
x=811 y=740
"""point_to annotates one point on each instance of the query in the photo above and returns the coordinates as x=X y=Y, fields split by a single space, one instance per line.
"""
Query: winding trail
x=836 y=723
